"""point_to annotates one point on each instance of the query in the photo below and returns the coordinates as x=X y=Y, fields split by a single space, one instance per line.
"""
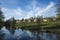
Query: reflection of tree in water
x=51 y=36
x=1 y=36
x=36 y=35
x=44 y=36
x=58 y=36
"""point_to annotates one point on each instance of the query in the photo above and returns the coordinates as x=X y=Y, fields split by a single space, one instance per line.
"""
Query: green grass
x=50 y=24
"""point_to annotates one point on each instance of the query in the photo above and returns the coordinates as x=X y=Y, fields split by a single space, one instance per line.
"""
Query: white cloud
x=49 y=6
x=34 y=4
x=39 y=12
x=30 y=14
x=12 y=12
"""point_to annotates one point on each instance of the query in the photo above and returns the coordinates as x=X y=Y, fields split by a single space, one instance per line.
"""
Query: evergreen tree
x=12 y=22
x=1 y=19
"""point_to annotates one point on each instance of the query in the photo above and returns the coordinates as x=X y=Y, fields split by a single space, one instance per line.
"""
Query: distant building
x=45 y=20
x=29 y=20
x=54 y=18
x=37 y=20
x=17 y=21
x=25 y=20
x=49 y=19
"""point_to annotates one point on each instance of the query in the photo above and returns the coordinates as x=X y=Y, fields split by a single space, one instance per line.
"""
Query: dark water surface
x=27 y=35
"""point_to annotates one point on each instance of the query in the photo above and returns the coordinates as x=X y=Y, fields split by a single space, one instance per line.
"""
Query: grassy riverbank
x=53 y=26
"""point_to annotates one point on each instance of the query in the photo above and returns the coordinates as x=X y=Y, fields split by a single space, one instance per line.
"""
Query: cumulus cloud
x=40 y=12
x=12 y=12
x=30 y=14
x=37 y=11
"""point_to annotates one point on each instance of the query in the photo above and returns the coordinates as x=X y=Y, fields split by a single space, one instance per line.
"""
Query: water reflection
x=26 y=35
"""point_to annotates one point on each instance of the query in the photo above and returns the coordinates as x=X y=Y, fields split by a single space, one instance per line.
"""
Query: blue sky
x=28 y=8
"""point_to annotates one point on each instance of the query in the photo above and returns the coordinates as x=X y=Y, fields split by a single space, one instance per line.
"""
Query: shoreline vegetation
x=48 y=27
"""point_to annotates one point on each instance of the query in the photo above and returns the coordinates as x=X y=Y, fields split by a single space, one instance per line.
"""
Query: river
x=27 y=35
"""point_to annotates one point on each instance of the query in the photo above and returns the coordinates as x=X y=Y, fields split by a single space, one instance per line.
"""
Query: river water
x=27 y=35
